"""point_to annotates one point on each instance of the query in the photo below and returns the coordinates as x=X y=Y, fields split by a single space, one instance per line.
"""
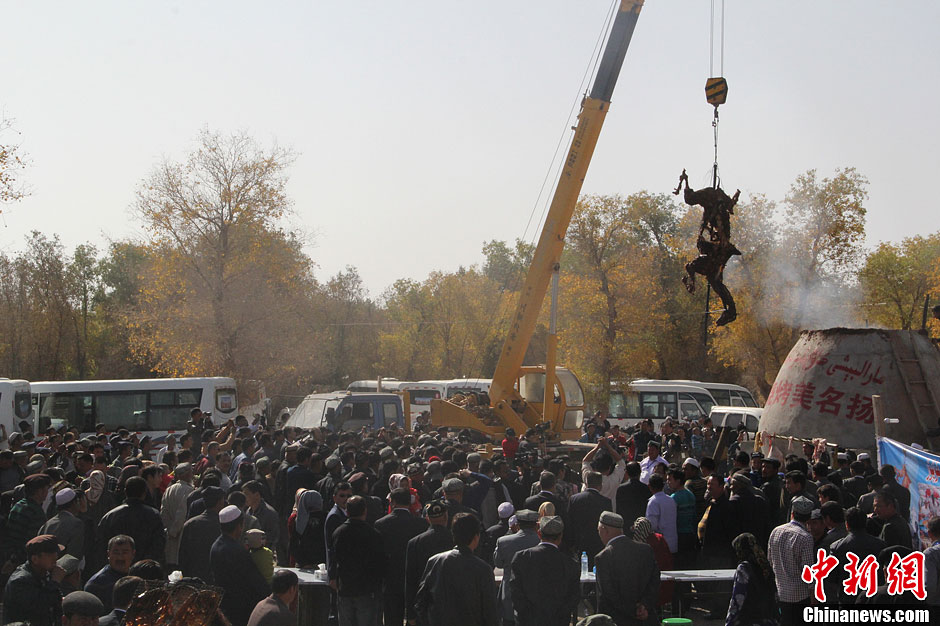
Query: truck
x=547 y=396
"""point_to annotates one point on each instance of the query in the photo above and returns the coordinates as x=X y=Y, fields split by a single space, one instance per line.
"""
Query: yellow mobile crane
x=520 y=396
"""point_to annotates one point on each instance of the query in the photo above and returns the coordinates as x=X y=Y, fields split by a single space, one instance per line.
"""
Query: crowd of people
x=410 y=526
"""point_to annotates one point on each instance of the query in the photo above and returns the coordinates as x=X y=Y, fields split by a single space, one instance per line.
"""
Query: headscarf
x=395 y=480
x=642 y=529
x=297 y=495
x=310 y=503
x=96 y=482
x=746 y=549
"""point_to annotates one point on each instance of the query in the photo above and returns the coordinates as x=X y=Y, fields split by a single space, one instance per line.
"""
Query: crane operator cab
x=569 y=397
x=524 y=409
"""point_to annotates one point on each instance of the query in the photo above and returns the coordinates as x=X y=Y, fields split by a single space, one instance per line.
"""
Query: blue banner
x=919 y=471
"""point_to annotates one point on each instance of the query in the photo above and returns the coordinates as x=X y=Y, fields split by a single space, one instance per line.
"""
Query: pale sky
x=425 y=128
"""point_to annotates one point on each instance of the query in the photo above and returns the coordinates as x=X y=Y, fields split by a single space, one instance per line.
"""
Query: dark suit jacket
x=584 y=511
x=397 y=529
x=750 y=514
x=358 y=564
x=632 y=497
x=534 y=502
x=546 y=586
x=627 y=574
x=896 y=532
x=457 y=589
x=863 y=545
x=719 y=533
x=234 y=571
x=199 y=533
x=434 y=540
x=855 y=487
x=334 y=519
x=141 y=522
x=903 y=496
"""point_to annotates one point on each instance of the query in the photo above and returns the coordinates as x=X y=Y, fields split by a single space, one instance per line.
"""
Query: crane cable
x=716 y=87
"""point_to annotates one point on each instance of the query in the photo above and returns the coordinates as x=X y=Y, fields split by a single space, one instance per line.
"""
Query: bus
x=15 y=405
x=658 y=400
x=153 y=406
x=724 y=394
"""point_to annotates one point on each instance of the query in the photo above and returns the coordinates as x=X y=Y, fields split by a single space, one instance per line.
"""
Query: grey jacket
x=506 y=548
x=69 y=531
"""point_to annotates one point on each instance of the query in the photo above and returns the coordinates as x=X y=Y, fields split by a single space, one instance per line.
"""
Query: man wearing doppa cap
x=627 y=575
x=545 y=581
x=25 y=518
x=790 y=549
x=173 y=511
x=506 y=549
x=499 y=529
x=233 y=569
x=32 y=594
x=420 y=549
x=68 y=529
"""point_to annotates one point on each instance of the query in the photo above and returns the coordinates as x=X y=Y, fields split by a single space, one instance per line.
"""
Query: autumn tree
x=507 y=264
x=897 y=278
x=47 y=310
x=218 y=262
x=611 y=293
x=344 y=323
x=448 y=326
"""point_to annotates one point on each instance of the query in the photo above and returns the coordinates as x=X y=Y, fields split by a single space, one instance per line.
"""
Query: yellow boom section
x=507 y=406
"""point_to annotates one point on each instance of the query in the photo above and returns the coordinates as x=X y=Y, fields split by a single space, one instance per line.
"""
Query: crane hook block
x=716 y=91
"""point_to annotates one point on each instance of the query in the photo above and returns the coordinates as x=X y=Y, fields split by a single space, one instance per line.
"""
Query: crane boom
x=552 y=240
x=507 y=406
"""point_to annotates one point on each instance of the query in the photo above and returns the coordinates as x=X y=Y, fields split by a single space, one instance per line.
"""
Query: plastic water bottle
x=584 y=564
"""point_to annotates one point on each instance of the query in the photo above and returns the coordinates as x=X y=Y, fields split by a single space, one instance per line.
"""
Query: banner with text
x=919 y=471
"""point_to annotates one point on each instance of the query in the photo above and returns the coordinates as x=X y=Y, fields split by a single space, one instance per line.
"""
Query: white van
x=725 y=394
x=421 y=393
x=15 y=406
x=732 y=416
x=345 y=410
x=638 y=400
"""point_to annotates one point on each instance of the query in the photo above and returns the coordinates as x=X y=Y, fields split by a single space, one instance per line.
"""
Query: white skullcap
x=506 y=509
x=864 y=455
x=229 y=514
x=64 y=496
x=691 y=461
